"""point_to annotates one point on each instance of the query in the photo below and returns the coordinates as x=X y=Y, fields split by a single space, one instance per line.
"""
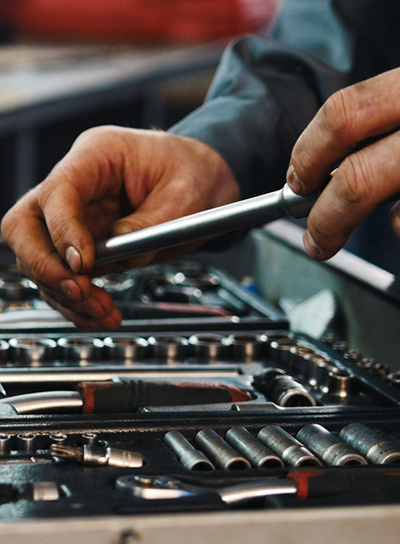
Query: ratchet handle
x=314 y=483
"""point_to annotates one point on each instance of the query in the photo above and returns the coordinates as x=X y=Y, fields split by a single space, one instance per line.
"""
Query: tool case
x=306 y=425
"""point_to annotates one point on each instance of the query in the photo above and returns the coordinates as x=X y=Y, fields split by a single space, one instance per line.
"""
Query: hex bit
x=246 y=213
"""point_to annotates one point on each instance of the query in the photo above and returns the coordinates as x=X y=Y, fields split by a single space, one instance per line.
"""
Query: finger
x=349 y=117
x=36 y=255
x=363 y=180
x=109 y=320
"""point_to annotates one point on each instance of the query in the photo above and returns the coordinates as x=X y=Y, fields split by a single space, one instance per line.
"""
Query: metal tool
x=377 y=449
x=92 y=455
x=259 y=455
x=188 y=456
x=328 y=447
x=219 y=451
x=291 y=451
x=166 y=487
x=303 y=484
x=246 y=213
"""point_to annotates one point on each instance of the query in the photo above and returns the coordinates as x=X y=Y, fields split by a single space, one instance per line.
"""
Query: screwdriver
x=249 y=212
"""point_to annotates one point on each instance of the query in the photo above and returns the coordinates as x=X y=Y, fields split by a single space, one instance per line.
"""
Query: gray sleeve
x=267 y=89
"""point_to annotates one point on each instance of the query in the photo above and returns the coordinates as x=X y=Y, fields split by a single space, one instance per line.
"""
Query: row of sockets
x=29 y=443
x=311 y=367
x=204 y=347
x=273 y=447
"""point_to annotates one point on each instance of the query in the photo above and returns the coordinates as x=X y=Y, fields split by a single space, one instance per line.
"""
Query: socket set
x=204 y=400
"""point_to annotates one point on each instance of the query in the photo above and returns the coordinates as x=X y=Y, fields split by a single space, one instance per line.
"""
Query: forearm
x=266 y=91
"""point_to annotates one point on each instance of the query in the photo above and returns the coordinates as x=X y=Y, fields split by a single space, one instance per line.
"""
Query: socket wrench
x=245 y=213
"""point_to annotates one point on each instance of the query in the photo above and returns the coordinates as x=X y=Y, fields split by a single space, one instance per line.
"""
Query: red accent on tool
x=124 y=395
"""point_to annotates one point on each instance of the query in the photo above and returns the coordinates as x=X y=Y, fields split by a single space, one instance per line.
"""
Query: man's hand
x=368 y=171
x=114 y=180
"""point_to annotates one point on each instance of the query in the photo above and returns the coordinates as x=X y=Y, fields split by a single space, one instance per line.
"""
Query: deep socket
x=291 y=451
x=219 y=451
x=331 y=449
x=259 y=455
x=189 y=457
x=377 y=448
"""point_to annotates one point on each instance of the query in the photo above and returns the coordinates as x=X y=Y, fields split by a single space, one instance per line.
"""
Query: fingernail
x=74 y=259
x=71 y=290
x=293 y=180
x=310 y=246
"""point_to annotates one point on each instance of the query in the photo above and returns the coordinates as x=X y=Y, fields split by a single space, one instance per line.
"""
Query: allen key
x=245 y=213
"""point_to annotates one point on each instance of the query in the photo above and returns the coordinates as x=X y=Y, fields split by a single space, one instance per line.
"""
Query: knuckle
x=338 y=114
x=357 y=183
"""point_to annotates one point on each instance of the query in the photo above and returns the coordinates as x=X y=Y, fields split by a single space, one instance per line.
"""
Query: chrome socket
x=219 y=451
x=291 y=451
x=259 y=455
x=339 y=383
x=14 y=287
x=247 y=347
x=32 y=351
x=127 y=348
x=169 y=349
x=314 y=366
x=208 y=347
x=279 y=350
x=296 y=360
x=189 y=457
x=282 y=389
x=26 y=442
x=58 y=438
x=5 y=443
x=89 y=439
x=82 y=349
x=378 y=449
x=289 y=393
x=331 y=449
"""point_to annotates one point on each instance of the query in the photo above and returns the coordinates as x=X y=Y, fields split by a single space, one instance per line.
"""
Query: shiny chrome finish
x=26 y=442
x=32 y=350
x=259 y=455
x=287 y=392
x=15 y=287
x=81 y=348
x=328 y=447
x=247 y=347
x=188 y=456
x=219 y=452
x=279 y=350
x=58 y=438
x=290 y=450
x=339 y=383
x=127 y=348
x=5 y=443
x=246 y=213
x=74 y=374
x=169 y=488
x=296 y=360
x=31 y=403
x=169 y=349
x=209 y=347
x=89 y=439
x=378 y=449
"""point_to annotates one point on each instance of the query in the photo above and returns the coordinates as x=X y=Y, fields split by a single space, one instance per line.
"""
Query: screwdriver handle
x=319 y=482
x=246 y=213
